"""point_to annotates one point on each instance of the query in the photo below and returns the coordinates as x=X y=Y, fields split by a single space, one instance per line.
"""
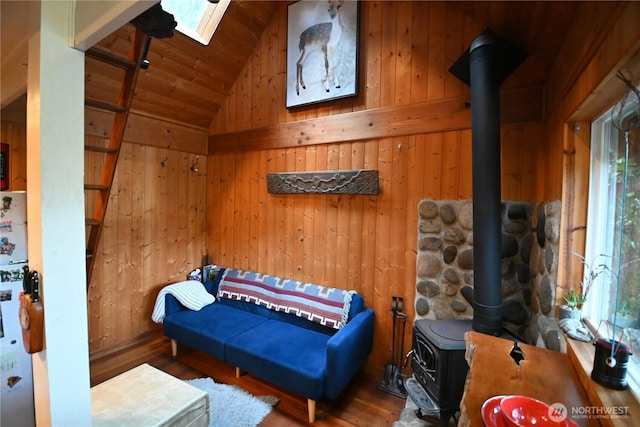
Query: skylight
x=197 y=19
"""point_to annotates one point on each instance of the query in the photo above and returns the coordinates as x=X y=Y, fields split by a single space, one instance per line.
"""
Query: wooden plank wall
x=155 y=223
x=154 y=226
x=584 y=85
x=366 y=243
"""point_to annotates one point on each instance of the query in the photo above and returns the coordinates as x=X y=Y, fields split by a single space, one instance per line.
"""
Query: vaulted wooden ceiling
x=186 y=81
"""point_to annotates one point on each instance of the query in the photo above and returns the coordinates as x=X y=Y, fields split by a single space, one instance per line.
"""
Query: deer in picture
x=323 y=37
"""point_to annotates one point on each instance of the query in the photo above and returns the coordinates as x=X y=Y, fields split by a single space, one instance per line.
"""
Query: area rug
x=230 y=406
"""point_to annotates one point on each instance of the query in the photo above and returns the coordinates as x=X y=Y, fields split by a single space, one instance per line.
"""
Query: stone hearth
x=530 y=242
x=409 y=417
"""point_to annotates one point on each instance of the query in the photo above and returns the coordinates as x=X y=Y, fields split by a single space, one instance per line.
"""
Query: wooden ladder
x=94 y=222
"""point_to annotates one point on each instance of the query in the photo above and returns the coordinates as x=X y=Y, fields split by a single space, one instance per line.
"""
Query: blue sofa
x=260 y=324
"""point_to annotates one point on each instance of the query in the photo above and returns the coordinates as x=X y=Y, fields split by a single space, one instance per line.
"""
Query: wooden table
x=146 y=396
x=544 y=375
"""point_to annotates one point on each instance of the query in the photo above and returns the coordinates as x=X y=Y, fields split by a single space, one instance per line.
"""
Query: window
x=608 y=195
x=197 y=19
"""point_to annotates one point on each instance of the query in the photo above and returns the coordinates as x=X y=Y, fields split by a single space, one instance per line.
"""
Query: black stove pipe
x=489 y=60
x=485 y=143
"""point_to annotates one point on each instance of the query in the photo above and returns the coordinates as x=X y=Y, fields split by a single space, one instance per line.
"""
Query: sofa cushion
x=281 y=353
x=326 y=306
x=210 y=328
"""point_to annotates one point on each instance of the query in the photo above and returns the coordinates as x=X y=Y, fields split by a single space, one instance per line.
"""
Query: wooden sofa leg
x=311 y=408
x=238 y=372
x=174 y=347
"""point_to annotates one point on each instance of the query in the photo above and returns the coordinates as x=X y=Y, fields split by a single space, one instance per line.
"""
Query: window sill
x=605 y=401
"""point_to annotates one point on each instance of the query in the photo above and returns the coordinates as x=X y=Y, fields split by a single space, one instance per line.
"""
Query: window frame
x=207 y=24
x=599 y=215
x=601 y=218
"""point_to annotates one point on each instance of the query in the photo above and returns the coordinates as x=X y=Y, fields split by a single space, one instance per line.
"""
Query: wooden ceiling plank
x=172 y=85
x=257 y=14
x=174 y=99
x=210 y=62
x=598 y=18
x=232 y=28
x=215 y=63
x=212 y=79
x=180 y=112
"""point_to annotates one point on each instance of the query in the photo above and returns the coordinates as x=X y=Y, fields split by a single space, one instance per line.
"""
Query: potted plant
x=572 y=309
x=574 y=301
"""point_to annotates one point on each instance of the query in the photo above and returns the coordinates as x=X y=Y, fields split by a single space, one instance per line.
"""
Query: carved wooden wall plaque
x=356 y=181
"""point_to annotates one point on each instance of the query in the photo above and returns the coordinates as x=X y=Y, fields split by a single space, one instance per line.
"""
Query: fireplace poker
x=392 y=381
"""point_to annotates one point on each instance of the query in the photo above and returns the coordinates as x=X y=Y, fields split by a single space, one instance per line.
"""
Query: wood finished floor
x=361 y=404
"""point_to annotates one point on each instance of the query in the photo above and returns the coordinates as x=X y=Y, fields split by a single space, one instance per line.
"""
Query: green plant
x=624 y=309
x=574 y=300
x=591 y=271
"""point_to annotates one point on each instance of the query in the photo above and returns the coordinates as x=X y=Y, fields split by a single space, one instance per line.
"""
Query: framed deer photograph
x=322 y=51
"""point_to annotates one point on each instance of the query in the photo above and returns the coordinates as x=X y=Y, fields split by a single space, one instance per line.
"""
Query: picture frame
x=313 y=27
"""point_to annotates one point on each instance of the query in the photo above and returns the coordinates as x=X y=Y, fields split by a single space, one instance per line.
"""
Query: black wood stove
x=438 y=363
x=439 y=366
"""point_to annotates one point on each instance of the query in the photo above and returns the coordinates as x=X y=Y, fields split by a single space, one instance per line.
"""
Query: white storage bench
x=146 y=396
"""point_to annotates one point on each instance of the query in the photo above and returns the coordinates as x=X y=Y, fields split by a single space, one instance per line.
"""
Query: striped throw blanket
x=320 y=304
x=190 y=293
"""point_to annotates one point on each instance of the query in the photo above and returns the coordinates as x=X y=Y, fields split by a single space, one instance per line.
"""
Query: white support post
x=55 y=215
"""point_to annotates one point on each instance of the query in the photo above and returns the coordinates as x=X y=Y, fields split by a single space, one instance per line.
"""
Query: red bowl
x=523 y=411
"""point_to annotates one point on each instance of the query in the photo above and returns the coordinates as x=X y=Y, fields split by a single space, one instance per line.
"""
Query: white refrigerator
x=16 y=375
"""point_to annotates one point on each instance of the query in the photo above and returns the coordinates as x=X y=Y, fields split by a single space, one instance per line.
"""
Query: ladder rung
x=139 y=44
x=111 y=58
x=106 y=106
x=99 y=149
x=96 y=187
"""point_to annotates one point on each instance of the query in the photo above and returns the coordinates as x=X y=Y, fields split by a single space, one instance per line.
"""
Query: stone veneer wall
x=530 y=242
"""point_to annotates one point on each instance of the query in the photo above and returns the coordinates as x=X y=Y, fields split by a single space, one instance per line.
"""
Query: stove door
x=425 y=366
